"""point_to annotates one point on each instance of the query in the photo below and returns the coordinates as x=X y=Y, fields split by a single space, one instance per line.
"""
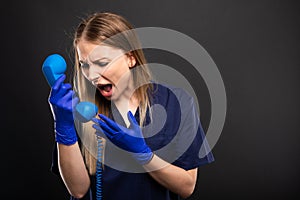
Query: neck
x=128 y=101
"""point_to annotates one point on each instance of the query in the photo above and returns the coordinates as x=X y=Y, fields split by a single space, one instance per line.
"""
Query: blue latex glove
x=62 y=103
x=130 y=139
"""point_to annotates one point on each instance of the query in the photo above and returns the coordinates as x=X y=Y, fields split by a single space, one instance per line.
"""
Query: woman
x=145 y=152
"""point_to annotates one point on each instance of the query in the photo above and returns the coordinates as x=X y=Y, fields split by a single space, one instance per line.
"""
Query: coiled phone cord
x=99 y=168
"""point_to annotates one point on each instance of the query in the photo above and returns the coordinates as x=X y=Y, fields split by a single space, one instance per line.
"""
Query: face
x=107 y=68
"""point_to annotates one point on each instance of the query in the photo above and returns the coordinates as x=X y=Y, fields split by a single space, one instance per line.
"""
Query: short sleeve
x=190 y=136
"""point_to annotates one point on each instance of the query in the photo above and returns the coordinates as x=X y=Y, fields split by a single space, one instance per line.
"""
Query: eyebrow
x=103 y=58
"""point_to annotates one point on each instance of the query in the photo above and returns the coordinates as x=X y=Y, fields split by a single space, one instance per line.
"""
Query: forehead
x=87 y=50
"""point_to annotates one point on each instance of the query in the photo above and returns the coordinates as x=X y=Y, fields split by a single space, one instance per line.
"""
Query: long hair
x=115 y=31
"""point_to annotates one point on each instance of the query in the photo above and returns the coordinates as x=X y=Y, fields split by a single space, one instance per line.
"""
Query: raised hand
x=130 y=139
x=62 y=103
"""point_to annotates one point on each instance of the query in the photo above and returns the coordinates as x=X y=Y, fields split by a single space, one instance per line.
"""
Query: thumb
x=132 y=119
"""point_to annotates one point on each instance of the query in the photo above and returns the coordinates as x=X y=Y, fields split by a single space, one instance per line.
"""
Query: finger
x=97 y=127
x=101 y=134
x=66 y=102
x=104 y=134
x=58 y=82
x=94 y=119
x=68 y=97
x=131 y=119
x=103 y=127
x=64 y=88
x=113 y=125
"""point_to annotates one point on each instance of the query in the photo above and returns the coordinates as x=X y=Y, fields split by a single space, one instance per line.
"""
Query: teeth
x=106 y=87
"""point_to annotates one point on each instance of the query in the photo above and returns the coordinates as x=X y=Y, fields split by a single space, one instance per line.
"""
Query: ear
x=131 y=61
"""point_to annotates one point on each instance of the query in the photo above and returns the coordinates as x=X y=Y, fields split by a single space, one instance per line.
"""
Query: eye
x=101 y=64
x=84 y=65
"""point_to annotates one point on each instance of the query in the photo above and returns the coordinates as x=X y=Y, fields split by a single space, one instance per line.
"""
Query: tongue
x=107 y=88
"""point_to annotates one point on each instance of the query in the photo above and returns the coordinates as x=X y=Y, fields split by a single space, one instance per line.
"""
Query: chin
x=109 y=98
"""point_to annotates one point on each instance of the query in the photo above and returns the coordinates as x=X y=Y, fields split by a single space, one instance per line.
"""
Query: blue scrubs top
x=174 y=133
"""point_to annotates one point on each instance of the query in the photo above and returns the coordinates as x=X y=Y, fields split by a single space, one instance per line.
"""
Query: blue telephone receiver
x=53 y=67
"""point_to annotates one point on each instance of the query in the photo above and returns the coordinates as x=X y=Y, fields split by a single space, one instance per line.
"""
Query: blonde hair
x=103 y=28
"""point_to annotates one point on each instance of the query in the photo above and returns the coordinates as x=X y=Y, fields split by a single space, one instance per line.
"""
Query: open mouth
x=106 y=87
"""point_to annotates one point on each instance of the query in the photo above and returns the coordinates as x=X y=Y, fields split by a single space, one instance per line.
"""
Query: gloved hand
x=62 y=105
x=129 y=139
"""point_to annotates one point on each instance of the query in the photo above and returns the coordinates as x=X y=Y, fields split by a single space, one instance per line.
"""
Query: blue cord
x=99 y=169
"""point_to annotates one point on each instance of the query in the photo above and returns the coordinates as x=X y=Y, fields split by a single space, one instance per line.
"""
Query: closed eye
x=101 y=64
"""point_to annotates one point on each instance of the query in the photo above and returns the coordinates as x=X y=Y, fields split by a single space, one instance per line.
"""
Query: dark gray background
x=255 y=45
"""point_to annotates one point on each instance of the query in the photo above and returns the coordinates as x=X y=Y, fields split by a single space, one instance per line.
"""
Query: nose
x=92 y=73
x=95 y=80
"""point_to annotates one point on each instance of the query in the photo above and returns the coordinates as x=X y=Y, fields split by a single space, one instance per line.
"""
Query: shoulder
x=164 y=93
